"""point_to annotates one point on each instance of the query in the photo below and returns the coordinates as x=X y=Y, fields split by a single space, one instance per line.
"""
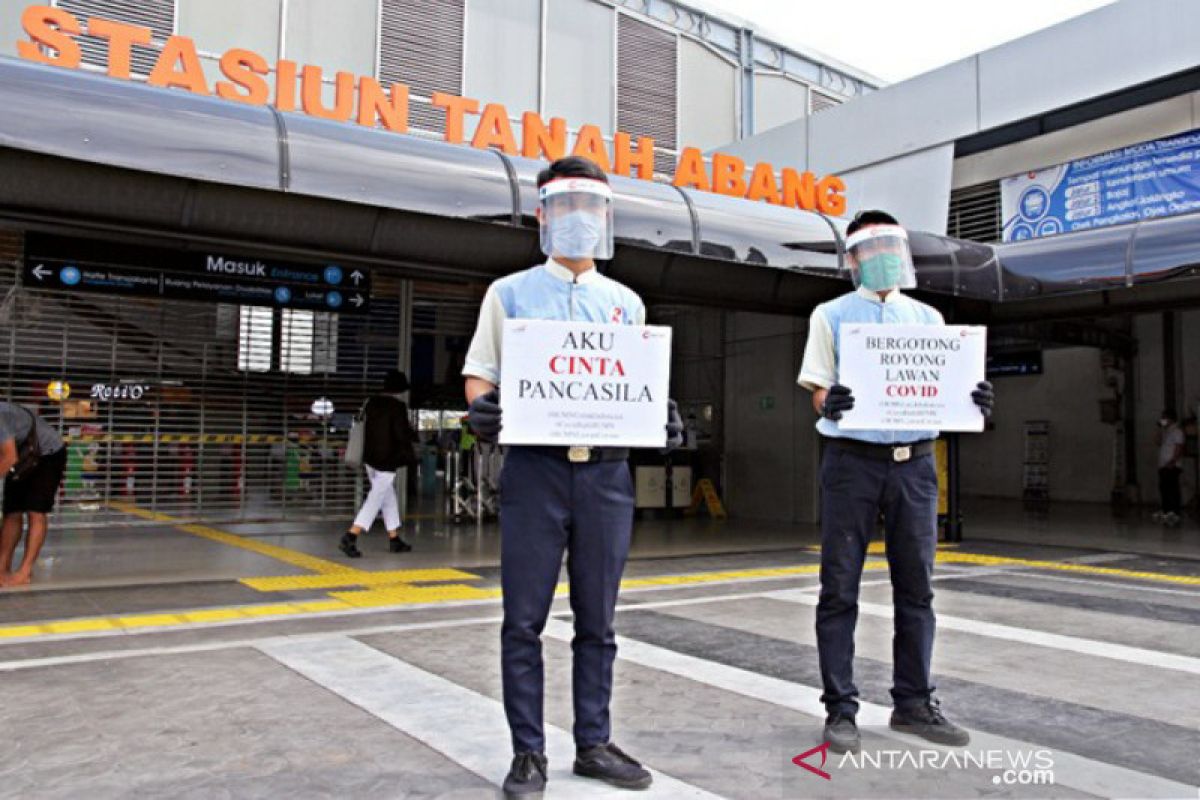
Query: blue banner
x=1151 y=179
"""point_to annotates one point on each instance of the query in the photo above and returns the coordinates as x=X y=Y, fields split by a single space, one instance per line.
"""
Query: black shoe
x=926 y=720
x=398 y=545
x=527 y=775
x=608 y=763
x=842 y=733
x=349 y=545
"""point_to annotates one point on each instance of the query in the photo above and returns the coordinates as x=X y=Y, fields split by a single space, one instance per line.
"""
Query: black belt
x=582 y=455
x=884 y=452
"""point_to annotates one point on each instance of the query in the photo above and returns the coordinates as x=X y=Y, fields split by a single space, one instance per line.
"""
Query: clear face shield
x=577 y=218
x=880 y=258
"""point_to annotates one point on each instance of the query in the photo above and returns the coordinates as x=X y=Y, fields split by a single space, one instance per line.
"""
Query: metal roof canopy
x=87 y=154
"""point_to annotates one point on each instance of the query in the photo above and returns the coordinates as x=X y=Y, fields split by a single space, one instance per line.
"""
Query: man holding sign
x=575 y=388
x=884 y=464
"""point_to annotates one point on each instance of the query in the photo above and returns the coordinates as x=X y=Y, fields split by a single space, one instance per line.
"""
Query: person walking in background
x=33 y=459
x=387 y=446
x=1170 y=457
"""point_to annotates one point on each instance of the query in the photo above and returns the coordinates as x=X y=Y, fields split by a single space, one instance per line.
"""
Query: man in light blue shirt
x=868 y=473
x=577 y=500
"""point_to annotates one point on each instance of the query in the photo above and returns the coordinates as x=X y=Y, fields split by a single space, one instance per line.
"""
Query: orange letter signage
x=52 y=39
x=52 y=28
x=182 y=51
x=121 y=39
x=246 y=70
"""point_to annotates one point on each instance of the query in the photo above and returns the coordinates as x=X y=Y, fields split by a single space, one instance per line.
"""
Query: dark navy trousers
x=549 y=506
x=855 y=489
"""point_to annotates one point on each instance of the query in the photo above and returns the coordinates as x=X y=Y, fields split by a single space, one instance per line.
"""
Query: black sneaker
x=349 y=545
x=926 y=720
x=608 y=763
x=841 y=732
x=527 y=775
x=398 y=545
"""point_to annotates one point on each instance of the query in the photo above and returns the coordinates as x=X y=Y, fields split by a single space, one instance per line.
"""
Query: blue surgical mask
x=881 y=271
x=576 y=234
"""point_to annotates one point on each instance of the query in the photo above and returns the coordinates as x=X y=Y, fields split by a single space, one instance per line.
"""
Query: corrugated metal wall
x=647 y=86
x=157 y=15
x=196 y=410
x=975 y=213
x=421 y=45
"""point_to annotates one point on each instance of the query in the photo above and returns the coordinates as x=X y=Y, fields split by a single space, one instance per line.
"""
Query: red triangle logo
x=823 y=749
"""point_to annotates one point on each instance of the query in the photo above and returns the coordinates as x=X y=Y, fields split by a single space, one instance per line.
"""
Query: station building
x=255 y=208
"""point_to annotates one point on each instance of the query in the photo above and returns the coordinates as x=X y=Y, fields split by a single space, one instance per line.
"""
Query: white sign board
x=912 y=377
x=584 y=383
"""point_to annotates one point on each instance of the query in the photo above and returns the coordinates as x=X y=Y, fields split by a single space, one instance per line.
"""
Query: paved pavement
x=1076 y=669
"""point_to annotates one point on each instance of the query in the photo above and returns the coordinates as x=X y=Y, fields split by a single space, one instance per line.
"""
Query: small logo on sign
x=618 y=314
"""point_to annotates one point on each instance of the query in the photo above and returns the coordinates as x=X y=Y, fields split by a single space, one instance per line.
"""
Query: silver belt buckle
x=901 y=453
x=579 y=455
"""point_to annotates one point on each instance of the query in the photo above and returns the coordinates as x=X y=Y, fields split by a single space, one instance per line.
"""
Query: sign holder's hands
x=483 y=416
x=838 y=399
x=984 y=397
x=674 y=426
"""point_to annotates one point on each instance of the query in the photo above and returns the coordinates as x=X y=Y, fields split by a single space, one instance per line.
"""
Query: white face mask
x=576 y=234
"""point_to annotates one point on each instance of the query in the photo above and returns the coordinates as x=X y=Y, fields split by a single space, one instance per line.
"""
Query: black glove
x=984 y=397
x=674 y=426
x=483 y=416
x=837 y=400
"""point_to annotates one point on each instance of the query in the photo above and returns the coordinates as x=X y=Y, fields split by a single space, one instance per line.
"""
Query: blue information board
x=1151 y=179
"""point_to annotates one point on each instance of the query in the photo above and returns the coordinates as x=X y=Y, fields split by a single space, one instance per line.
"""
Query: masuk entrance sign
x=219 y=277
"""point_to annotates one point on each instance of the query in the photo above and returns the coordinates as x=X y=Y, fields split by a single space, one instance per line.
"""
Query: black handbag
x=28 y=451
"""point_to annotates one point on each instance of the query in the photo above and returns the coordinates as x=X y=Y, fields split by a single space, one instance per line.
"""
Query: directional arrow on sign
x=357 y=300
x=356 y=276
x=41 y=273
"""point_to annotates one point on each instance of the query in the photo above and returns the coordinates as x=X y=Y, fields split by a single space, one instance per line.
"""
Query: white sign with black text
x=584 y=384
x=912 y=377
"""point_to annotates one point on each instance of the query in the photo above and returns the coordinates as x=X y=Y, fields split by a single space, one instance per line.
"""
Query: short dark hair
x=871 y=216
x=1169 y=413
x=395 y=381
x=571 y=167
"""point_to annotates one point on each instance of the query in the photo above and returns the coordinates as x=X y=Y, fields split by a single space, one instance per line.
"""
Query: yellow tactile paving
x=211 y=615
x=148 y=620
x=80 y=625
x=293 y=557
x=1066 y=566
x=337 y=580
x=22 y=631
x=271 y=610
x=296 y=559
x=734 y=575
x=321 y=605
x=879 y=548
x=394 y=588
x=413 y=595
x=387 y=592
